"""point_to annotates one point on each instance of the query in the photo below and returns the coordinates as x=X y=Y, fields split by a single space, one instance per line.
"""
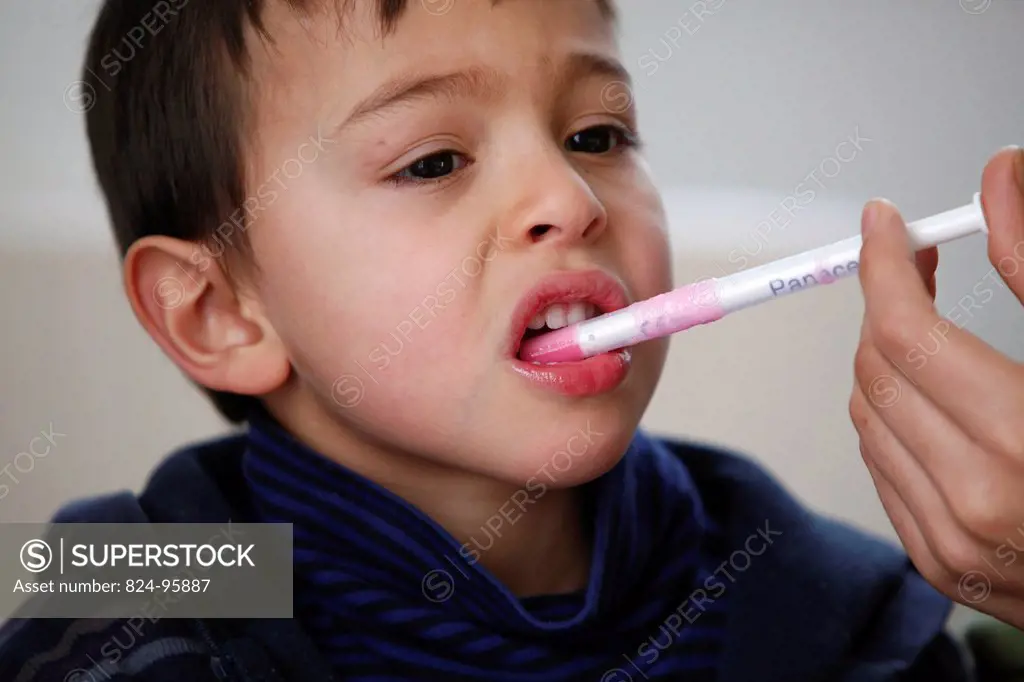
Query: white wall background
x=738 y=106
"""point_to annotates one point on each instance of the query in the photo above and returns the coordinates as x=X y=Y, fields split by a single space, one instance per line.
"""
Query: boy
x=341 y=220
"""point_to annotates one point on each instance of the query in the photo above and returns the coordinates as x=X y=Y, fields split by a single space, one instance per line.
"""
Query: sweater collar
x=645 y=511
x=373 y=573
x=789 y=617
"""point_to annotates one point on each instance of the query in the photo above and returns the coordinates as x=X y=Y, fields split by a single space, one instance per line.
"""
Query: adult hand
x=940 y=413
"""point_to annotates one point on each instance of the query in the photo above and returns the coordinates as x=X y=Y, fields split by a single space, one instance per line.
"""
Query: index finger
x=974 y=384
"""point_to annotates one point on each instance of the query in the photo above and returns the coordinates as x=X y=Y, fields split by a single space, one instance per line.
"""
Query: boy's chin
x=584 y=455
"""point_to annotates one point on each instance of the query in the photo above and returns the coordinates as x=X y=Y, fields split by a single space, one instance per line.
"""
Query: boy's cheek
x=643 y=242
x=648 y=262
x=419 y=339
x=407 y=393
x=394 y=347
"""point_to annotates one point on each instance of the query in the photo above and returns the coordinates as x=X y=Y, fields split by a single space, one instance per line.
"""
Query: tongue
x=557 y=346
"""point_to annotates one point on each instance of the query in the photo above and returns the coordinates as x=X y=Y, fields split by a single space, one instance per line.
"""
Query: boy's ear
x=194 y=312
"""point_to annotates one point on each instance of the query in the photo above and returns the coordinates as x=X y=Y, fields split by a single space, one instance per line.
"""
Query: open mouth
x=563 y=300
x=559 y=315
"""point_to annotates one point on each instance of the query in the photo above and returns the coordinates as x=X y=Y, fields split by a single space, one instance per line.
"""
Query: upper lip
x=592 y=286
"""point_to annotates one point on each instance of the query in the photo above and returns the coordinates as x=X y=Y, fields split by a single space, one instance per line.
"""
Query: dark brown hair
x=164 y=89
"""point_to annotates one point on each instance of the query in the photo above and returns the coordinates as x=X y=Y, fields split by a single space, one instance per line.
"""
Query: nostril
x=538 y=231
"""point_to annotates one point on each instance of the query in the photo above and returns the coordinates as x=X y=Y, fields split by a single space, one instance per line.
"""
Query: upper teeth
x=560 y=315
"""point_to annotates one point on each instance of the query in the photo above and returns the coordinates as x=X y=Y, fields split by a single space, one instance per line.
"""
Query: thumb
x=1002 y=198
x=889 y=269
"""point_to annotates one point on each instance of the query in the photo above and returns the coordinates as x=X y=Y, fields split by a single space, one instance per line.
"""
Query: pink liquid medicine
x=651 y=319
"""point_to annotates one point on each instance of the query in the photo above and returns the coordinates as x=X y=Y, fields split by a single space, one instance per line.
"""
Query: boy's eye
x=432 y=167
x=600 y=140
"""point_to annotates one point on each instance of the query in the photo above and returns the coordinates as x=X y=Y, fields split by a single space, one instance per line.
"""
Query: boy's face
x=401 y=259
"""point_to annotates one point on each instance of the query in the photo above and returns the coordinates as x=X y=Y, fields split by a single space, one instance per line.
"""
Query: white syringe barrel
x=839 y=260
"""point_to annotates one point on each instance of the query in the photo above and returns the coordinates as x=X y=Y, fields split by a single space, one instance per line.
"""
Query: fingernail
x=872 y=212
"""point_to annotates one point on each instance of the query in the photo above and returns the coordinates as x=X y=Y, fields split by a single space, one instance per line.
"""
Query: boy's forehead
x=377 y=19
x=413 y=28
x=341 y=51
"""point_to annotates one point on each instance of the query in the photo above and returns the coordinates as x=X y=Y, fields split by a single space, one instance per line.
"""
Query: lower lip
x=592 y=376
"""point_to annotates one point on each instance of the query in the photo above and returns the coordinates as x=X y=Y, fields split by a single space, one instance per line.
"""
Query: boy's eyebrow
x=474 y=81
x=582 y=65
x=480 y=82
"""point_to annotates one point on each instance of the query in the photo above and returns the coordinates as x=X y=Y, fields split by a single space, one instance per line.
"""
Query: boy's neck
x=539 y=548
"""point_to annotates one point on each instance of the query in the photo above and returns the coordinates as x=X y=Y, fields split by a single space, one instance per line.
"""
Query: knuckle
x=868 y=457
x=936 y=573
x=893 y=333
x=955 y=556
x=863 y=360
x=976 y=507
x=1008 y=440
x=859 y=414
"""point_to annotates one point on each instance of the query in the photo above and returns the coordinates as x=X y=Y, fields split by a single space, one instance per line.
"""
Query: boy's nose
x=560 y=209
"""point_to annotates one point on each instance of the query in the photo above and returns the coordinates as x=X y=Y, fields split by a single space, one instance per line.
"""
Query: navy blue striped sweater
x=823 y=603
x=386 y=593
